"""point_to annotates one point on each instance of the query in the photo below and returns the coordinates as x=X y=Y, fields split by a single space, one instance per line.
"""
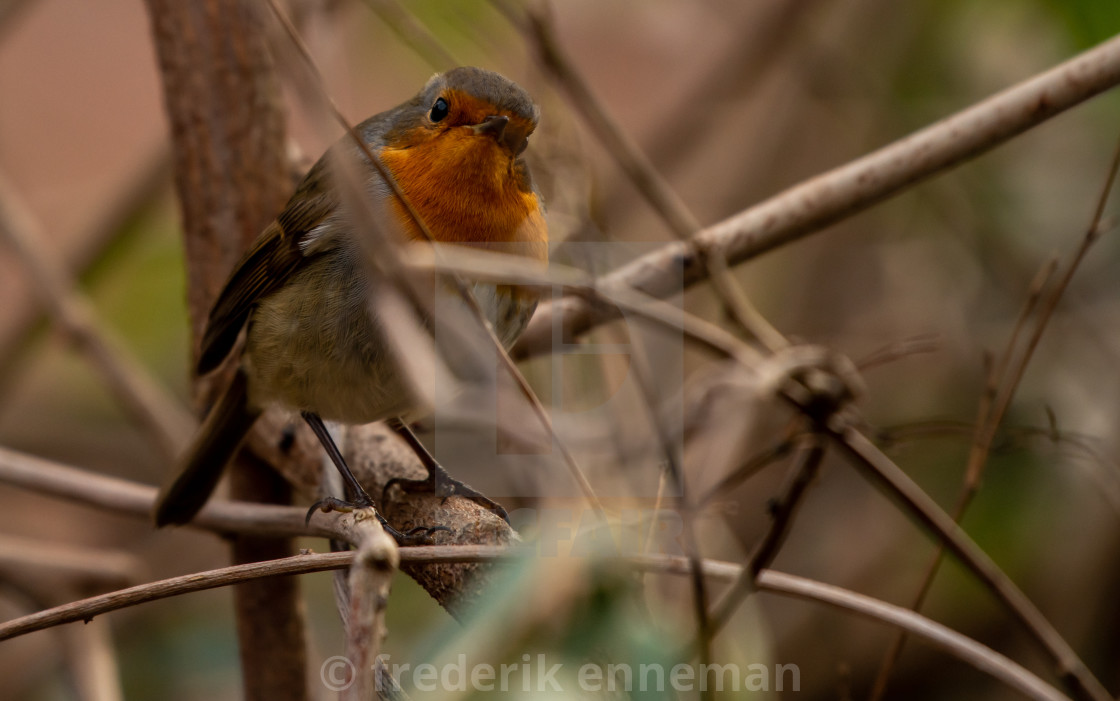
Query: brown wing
x=275 y=256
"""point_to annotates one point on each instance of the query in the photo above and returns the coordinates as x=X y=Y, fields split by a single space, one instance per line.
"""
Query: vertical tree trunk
x=227 y=126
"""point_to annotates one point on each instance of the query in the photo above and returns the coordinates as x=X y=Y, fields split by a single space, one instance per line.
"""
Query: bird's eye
x=439 y=110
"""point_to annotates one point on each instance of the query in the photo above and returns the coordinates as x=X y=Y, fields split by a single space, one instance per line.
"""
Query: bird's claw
x=421 y=535
x=329 y=504
x=448 y=487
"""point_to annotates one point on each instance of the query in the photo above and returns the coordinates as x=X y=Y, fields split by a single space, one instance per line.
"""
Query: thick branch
x=227 y=124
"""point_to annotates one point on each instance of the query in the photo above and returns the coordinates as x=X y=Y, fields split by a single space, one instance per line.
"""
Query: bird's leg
x=438 y=481
x=355 y=491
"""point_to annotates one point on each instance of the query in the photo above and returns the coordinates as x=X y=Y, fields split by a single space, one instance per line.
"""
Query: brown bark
x=227 y=127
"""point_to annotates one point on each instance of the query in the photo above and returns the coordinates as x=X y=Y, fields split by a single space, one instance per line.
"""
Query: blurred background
x=733 y=102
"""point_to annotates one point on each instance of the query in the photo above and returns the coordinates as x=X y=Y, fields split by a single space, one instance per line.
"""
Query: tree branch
x=841 y=192
x=228 y=131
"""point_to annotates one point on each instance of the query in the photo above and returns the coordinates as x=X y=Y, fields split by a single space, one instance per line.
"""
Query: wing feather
x=274 y=257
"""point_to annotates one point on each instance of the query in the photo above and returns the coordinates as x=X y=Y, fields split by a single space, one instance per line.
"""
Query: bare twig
x=844 y=191
x=86 y=609
x=1010 y=383
x=124 y=497
x=150 y=406
x=491 y=266
x=967 y=650
x=306 y=563
x=922 y=343
x=801 y=475
x=630 y=158
x=755 y=463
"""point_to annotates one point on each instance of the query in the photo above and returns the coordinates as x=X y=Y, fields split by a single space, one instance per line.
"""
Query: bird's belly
x=322 y=351
x=319 y=350
x=301 y=381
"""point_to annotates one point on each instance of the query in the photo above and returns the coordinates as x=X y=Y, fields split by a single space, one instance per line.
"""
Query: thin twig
x=987 y=421
x=86 y=609
x=782 y=511
x=1047 y=305
x=124 y=497
x=1080 y=446
x=967 y=650
x=844 y=191
x=922 y=343
x=492 y=266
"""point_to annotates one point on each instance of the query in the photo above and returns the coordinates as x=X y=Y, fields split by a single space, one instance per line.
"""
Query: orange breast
x=468 y=191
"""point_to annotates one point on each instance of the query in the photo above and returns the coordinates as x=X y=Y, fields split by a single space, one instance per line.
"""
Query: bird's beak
x=499 y=128
x=494 y=125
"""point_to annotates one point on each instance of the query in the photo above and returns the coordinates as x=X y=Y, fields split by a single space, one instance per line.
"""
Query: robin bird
x=302 y=292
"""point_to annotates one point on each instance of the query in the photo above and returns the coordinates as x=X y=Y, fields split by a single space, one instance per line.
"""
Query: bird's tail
x=201 y=467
